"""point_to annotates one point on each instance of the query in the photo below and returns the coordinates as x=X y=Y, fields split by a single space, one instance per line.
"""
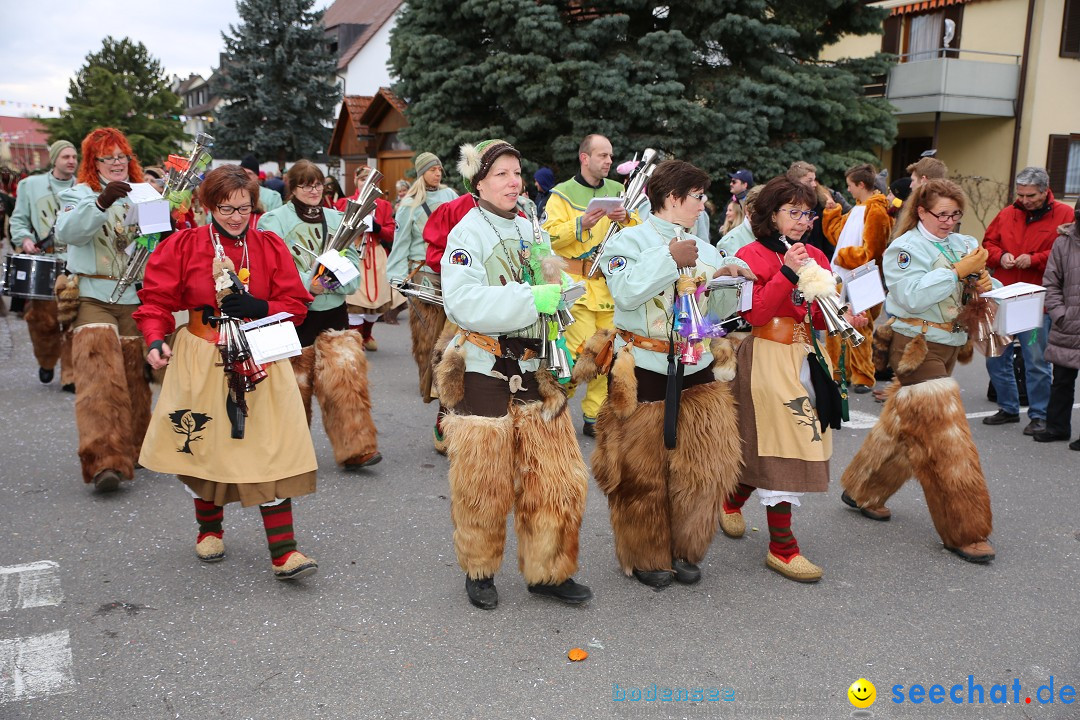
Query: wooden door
x=393 y=166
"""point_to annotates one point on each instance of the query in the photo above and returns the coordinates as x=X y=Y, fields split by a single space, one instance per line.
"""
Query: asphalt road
x=106 y=613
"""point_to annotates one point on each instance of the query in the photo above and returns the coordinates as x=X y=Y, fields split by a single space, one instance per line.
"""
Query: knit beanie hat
x=250 y=163
x=425 y=161
x=545 y=178
x=476 y=160
x=56 y=148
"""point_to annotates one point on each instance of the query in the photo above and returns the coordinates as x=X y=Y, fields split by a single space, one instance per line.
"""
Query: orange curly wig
x=98 y=144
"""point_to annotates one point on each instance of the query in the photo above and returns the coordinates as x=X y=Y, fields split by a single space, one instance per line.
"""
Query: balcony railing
x=946 y=81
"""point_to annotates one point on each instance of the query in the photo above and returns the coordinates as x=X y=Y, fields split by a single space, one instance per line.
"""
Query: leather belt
x=785 y=330
x=578 y=266
x=924 y=324
x=492 y=345
x=199 y=327
x=98 y=277
x=645 y=343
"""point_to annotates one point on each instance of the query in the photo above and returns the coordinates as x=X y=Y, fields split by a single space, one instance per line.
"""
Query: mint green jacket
x=297 y=234
x=96 y=242
x=409 y=233
x=37 y=203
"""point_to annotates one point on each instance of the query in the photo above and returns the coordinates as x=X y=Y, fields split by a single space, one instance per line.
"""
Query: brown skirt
x=784 y=447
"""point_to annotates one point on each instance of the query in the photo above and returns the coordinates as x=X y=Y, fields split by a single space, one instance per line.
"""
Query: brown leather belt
x=784 y=330
x=645 y=343
x=578 y=266
x=199 y=328
x=492 y=345
x=924 y=324
x=98 y=277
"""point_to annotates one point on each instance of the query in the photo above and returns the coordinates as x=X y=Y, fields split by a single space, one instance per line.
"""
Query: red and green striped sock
x=209 y=517
x=735 y=502
x=278 y=523
x=782 y=541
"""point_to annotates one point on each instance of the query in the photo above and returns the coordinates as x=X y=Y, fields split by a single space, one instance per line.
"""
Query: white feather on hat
x=469 y=163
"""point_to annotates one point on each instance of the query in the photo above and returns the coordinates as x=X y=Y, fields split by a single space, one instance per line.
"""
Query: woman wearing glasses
x=332 y=365
x=783 y=385
x=112 y=397
x=190 y=434
x=923 y=430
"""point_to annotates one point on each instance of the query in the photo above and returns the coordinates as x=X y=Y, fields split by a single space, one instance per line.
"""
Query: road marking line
x=30 y=585
x=36 y=666
x=864 y=420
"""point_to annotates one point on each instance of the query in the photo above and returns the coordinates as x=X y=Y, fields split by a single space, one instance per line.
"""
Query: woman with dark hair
x=332 y=193
x=190 y=434
x=923 y=430
x=112 y=397
x=784 y=386
x=333 y=365
x=665 y=498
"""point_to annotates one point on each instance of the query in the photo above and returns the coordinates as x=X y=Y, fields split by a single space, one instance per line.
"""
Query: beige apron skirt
x=190 y=434
x=784 y=447
x=374 y=294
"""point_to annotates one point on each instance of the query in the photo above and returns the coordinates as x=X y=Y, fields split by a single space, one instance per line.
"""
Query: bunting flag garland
x=59 y=108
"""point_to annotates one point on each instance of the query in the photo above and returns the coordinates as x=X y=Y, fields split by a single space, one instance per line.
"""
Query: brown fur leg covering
x=341 y=385
x=967 y=351
x=450 y=376
x=481 y=452
x=66 y=290
x=594 y=358
x=449 y=330
x=549 y=500
x=303 y=366
x=704 y=468
x=883 y=335
x=67 y=369
x=723 y=352
x=552 y=394
x=881 y=466
x=102 y=403
x=630 y=466
x=44 y=328
x=426 y=323
x=945 y=460
x=622 y=390
x=913 y=355
x=138 y=389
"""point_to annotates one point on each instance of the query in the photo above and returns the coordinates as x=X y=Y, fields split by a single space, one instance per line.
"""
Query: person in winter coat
x=1062 y=283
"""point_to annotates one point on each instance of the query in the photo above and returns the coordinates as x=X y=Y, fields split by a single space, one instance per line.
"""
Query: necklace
x=523 y=252
x=244 y=272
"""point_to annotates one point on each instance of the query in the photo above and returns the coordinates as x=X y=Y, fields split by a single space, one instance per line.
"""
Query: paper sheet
x=607 y=204
x=863 y=287
x=338 y=264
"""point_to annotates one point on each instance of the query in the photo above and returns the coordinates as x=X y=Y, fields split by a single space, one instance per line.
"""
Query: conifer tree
x=277 y=82
x=122 y=86
x=720 y=83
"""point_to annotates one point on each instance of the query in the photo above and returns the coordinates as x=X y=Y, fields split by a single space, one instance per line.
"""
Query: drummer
x=36 y=204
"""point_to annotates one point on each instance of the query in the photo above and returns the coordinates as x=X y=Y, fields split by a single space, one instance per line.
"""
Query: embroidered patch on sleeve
x=460 y=257
x=903 y=259
x=616 y=263
x=69 y=207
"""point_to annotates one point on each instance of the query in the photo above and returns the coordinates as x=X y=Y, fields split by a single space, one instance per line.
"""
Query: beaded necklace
x=523 y=252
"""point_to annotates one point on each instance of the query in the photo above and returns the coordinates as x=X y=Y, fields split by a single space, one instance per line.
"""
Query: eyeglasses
x=946 y=217
x=229 y=210
x=313 y=187
x=795 y=214
x=114 y=160
x=698 y=196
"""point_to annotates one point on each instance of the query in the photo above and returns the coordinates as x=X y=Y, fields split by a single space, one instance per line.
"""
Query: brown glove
x=984 y=284
x=971 y=264
x=112 y=192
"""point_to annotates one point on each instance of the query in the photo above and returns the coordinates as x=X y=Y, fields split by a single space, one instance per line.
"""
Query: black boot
x=482 y=592
x=654 y=578
x=686 y=572
x=568 y=591
x=45 y=375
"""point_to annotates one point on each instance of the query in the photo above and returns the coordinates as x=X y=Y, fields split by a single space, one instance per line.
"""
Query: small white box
x=1020 y=307
x=272 y=339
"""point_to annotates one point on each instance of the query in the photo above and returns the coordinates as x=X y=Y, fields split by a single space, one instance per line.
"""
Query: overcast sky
x=46 y=41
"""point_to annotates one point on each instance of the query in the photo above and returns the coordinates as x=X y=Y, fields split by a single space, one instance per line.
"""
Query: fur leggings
x=112 y=399
x=334 y=369
x=426 y=324
x=50 y=342
x=923 y=432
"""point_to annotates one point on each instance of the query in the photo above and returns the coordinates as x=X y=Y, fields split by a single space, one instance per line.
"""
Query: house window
x=1063 y=164
x=925 y=34
x=1070 y=30
x=922 y=35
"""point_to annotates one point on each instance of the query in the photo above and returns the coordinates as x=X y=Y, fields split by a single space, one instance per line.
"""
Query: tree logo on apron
x=187 y=423
x=801 y=408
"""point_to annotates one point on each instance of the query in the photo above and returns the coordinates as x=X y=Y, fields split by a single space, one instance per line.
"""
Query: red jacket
x=384 y=217
x=773 y=289
x=439 y=225
x=1010 y=232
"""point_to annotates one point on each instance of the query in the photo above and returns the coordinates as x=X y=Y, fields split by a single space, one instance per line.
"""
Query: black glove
x=375 y=227
x=112 y=192
x=242 y=305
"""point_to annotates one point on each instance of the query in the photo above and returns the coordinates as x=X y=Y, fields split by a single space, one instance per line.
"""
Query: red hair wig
x=99 y=143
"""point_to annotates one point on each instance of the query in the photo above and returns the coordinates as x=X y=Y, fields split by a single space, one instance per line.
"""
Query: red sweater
x=773 y=290
x=1010 y=232
x=439 y=225
x=179 y=276
x=384 y=216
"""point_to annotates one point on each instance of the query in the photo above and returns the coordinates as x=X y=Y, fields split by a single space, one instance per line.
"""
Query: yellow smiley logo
x=862 y=693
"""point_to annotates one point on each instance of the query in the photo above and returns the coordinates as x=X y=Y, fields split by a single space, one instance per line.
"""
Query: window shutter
x=1070 y=30
x=1057 y=163
x=890 y=39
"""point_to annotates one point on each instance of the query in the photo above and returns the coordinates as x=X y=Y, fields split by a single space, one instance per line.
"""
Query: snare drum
x=31 y=276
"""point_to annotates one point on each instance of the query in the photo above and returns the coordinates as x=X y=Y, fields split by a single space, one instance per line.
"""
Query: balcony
x=977 y=85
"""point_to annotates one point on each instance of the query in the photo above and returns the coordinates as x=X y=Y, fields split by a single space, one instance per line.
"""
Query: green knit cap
x=476 y=160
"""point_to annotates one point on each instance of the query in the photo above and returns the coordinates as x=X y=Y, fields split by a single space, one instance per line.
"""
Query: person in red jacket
x=1018 y=244
x=439 y=225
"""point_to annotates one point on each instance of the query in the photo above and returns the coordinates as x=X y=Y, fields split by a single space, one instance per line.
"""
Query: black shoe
x=1075 y=444
x=686 y=572
x=106 y=481
x=654 y=578
x=1035 y=427
x=861 y=389
x=848 y=500
x=1047 y=436
x=991 y=392
x=482 y=592
x=45 y=375
x=589 y=428
x=70 y=387
x=1001 y=418
x=568 y=591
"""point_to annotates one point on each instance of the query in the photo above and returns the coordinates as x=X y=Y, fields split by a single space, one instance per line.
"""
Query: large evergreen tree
x=721 y=83
x=277 y=82
x=122 y=86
